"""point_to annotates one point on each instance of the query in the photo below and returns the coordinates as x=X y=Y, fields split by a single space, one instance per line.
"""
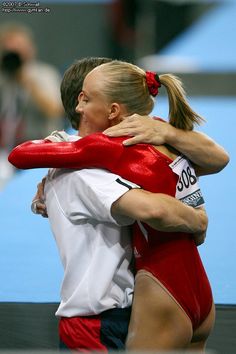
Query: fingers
x=140 y=129
x=134 y=140
x=38 y=207
x=40 y=191
x=129 y=126
x=136 y=135
x=116 y=131
x=122 y=129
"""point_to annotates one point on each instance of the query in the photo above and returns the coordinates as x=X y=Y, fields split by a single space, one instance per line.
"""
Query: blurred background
x=193 y=39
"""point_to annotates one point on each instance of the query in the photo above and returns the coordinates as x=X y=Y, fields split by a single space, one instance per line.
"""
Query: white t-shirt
x=95 y=250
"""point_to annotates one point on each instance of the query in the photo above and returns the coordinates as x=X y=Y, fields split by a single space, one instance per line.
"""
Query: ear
x=115 y=111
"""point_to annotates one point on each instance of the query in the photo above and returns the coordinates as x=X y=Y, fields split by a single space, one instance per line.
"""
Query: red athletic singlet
x=173 y=259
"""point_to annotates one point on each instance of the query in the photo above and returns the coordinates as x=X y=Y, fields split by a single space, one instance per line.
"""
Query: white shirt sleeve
x=91 y=193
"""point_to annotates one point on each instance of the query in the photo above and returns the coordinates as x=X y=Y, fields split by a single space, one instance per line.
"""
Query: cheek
x=98 y=117
x=101 y=122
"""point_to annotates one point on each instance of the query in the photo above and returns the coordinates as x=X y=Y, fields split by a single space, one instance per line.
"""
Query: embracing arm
x=161 y=212
x=39 y=153
x=66 y=154
x=208 y=156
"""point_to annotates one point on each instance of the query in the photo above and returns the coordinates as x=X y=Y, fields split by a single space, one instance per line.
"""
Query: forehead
x=93 y=82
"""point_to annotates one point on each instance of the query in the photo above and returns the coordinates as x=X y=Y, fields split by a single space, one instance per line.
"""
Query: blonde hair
x=126 y=83
x=181 y=114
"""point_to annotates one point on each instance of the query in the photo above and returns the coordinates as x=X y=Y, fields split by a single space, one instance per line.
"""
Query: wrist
x=203 y=220
x=171 y=135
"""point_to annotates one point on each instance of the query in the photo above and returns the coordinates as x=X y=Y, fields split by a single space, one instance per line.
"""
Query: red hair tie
x=153 y=83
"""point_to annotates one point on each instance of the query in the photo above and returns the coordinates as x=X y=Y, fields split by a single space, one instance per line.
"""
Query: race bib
x=187 y=188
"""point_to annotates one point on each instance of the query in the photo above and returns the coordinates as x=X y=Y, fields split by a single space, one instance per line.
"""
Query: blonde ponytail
x=181 y=114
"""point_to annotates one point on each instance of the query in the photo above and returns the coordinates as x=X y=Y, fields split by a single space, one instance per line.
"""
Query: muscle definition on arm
x=160 y=211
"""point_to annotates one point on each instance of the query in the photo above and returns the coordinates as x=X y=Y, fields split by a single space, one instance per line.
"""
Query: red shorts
x=95 y=333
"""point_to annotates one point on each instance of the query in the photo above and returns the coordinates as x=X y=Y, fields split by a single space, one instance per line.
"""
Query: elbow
x=13 y=158
x=214 y=166
x=18 y=157
x=223 y=161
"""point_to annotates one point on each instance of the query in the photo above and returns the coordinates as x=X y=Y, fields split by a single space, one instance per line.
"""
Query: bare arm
x=208 y=156
x=161 y=212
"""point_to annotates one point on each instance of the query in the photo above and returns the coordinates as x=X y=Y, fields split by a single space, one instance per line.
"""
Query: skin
x=207 y=156
x=173 y=326
x=96 y=114
x=158 y=323
x=164 y=134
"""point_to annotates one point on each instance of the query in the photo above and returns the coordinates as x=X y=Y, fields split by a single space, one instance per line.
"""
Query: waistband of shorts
x=116 y=312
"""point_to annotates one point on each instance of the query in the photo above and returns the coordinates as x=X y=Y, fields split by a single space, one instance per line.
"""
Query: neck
x=83 y=130
x=81 y=133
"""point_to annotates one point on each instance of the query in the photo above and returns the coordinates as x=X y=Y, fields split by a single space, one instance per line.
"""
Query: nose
x=79 y=107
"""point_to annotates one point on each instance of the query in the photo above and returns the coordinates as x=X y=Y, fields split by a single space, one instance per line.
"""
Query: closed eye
x=83 y=98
